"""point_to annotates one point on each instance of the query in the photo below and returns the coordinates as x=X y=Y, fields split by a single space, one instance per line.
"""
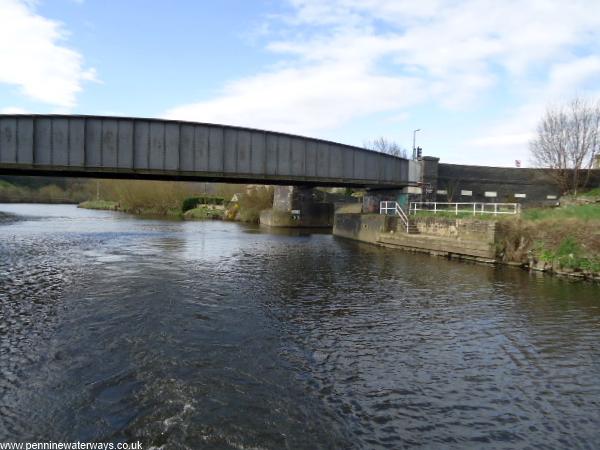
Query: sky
x=475 y=76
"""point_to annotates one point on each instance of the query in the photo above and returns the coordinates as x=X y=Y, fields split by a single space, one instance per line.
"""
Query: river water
x=216 y=335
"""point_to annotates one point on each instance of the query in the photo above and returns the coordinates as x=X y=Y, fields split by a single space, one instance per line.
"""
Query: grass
x=568 y=255
x=460 y=215
x=579 y=212
x=563 y=239
x=99 y=204
x=592 y=193
x=204 y=212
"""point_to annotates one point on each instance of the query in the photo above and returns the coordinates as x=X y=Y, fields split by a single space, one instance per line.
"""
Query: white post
x=474 y=211
x=456 y=209
x=435 y=207
x=495 y=209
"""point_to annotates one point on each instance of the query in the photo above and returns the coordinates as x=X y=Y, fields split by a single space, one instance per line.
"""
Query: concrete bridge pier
x=298 y=206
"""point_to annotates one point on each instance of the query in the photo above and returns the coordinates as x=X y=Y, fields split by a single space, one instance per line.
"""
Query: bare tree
x=567 y=141
x=384 y=145
x=452 y=189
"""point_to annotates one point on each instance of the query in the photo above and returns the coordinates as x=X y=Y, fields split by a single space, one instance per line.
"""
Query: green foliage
x=592 y=193
x=99 y=204
x=24 y=189
x=590 y=265
x=204 y=212
x=157 y=198
x=253 y=201
x=581 y=212
x=193 y=202
x=568 y=247
x=568 y=255
x=460 y=215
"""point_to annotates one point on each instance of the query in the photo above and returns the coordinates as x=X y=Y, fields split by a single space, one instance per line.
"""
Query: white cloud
x=13 y=110
x=304 y=99
x=35 y=59
x=344 y=59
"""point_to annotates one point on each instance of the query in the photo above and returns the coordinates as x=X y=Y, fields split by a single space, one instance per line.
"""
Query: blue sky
x=474 y=75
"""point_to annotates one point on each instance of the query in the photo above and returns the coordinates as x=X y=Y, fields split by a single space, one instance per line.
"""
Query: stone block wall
x=469 y=229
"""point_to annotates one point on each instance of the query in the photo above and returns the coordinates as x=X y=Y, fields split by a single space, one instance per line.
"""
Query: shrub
x=253 y=202
x=204 y=212
x=189 y=203
x=193 y=202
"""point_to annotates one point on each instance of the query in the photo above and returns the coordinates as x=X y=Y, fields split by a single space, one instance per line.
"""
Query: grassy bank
x=99 y=204
x=582 y=213
x=173 y=199
x=559 y=240
x=204 y=212
x=564 y=240
x=73 y=192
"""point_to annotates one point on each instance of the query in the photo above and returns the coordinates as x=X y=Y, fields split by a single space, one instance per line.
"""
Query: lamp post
x=414 y=143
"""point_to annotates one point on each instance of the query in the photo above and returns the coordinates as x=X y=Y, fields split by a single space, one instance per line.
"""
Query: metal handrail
x=473 y=207
x=386 y=206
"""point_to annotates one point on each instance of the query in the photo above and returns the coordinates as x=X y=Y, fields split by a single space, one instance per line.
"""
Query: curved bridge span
x=122 y=147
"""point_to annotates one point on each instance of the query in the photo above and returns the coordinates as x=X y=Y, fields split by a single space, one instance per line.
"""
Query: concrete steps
x=412 y=228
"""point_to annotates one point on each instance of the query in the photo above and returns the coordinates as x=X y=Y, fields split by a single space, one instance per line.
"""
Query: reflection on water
x=215 y=335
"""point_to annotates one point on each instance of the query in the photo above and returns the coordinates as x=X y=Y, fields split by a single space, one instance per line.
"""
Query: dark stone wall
x=296 y=206
x=536 y=184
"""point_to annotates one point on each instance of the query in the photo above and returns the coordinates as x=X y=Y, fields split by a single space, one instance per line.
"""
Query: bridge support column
x=298 y=206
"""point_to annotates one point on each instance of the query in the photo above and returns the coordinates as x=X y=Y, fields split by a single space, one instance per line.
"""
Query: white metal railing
x=386 y=206
x=469 y=208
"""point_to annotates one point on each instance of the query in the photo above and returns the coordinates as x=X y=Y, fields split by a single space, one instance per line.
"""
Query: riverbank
x=560 y=241
x=246 y=209
x=43 y=190
x=566 y=247
x=203 y=212
x=107 y=205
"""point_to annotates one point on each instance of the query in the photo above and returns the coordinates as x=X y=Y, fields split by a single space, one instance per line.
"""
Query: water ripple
x=210 y=335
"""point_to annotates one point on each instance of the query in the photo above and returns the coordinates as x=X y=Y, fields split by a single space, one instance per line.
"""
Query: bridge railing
x=394 y=209
x=473 y=208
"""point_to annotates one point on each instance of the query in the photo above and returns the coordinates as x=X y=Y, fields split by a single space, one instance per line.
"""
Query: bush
x=253 y=201
x=189 y=203
x=204 y=212
x=193 y=202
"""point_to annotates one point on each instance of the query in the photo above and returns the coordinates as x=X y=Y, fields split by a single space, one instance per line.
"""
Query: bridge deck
x=118 y=147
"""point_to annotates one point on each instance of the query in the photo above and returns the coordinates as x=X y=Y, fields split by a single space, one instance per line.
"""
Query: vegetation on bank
x=43 y=190
x=460 y=215
x=176 y=199
x=592 y=193
x=564 y=239
x=251 y=203
x=99 y=204
x=204 y=212
x=194 y=202
x=582 y=213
